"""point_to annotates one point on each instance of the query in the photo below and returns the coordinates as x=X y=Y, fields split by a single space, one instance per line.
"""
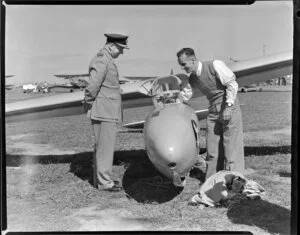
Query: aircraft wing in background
x=138 y=78
x=122 y=80
x=262 y=68
x=68 y=76
x=137 y=94
x=133 y=95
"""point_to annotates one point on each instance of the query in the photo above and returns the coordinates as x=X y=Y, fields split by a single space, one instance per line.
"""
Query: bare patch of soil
x=93 y=219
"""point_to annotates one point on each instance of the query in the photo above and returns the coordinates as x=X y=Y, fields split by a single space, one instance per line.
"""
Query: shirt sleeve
x=228 y=79
x=97 y=71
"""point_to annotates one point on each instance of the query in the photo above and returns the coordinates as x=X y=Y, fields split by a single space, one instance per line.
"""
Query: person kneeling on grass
x=223 y=186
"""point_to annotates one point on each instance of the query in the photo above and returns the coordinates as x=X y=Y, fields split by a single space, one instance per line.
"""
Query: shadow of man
x=266 y=150
x=141 y=181
x=260 y=213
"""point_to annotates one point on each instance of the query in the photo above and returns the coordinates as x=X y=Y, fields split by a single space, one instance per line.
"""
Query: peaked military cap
x=119 y=39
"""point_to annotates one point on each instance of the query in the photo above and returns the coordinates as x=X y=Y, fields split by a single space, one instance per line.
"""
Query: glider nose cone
x=172 y=150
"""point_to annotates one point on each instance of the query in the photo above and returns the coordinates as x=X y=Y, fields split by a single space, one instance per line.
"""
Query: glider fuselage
x=172 y=140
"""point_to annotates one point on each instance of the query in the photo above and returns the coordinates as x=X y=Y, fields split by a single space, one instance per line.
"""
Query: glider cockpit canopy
x=166 y=90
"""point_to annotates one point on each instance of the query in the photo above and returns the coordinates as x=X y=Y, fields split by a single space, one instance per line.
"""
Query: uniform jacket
x=103 y=92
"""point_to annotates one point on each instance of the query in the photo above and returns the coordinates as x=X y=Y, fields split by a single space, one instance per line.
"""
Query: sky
x=41 y=41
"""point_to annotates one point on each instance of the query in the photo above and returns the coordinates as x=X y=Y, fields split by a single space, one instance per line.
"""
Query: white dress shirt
x=227 y=79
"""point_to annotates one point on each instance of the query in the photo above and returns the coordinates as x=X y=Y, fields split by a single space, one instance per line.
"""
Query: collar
x=106 y=51
x=199 y=70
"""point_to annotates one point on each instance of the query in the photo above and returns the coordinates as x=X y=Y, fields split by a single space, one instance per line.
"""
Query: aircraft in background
x=252 y=87
x=9 y=86
x=28 y=88
x=164 y=127
x=75 y=81
x=70 y=87
x=81 y=80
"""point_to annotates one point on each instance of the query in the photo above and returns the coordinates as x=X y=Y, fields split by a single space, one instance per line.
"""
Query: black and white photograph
x=148 y=117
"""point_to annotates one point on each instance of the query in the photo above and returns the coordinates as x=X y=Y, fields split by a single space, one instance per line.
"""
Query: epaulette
x=100 y=54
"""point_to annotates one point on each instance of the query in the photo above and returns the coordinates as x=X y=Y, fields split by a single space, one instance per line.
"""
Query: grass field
x=49 y=172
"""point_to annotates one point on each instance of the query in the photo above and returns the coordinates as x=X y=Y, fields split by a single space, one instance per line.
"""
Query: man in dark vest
x=224 y=140
x=102 y=101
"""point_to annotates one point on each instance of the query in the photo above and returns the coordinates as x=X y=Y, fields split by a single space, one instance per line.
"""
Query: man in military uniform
x=102 y=101
x=224 y=140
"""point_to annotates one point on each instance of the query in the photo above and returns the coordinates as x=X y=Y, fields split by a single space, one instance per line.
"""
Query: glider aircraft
x=76 y=81
x=171 y=131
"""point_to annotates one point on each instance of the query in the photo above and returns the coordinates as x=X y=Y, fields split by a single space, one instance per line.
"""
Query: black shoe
x=192 y=203
x=114 y=188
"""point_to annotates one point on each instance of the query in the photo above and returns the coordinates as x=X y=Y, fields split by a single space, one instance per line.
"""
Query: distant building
x=289 y=79
x=281 y=81
x=270 y=82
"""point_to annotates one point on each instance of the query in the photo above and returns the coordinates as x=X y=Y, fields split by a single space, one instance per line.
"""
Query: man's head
x=187 y=60
x=238 y=184
x=116 y=44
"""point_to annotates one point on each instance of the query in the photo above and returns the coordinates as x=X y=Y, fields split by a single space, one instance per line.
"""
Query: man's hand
x=86 y=106
x=226 y=115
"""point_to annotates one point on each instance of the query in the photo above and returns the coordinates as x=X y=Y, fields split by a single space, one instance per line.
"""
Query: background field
x=49 y=171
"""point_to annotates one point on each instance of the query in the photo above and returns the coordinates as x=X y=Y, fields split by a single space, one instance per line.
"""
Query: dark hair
x=238 y=178
x=187 y=51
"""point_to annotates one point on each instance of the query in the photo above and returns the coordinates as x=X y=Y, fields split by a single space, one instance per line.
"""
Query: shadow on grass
x=15 y=160
x=262 y=150
x=124 y=156
x=266 y=150
x=81 y=164
x=141 y=181
x=263 y=214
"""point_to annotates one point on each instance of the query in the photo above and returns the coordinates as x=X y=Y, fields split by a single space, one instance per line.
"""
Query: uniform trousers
x=105 y=139
x=224 y=142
